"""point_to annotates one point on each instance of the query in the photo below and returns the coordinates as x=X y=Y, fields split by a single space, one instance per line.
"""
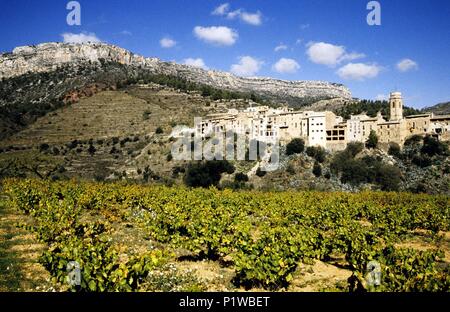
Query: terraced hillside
x=112 y=132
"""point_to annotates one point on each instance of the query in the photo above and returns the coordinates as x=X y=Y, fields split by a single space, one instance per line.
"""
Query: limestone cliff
x=48 y=57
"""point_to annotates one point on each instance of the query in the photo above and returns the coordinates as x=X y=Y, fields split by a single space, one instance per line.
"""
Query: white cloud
x=126 y=33
x=299 y=41
x=251 y=18
x=329 y=54
x=167 y=43
x=234 y=14
x=80 y=38
x=280 y=47
x=221 y=9
x=286 y=66
x=359 y=71
x=195 y=62
x=406 y=65
x=247 y=66
x=352 y=56
x=217 y=35
x=304 y=26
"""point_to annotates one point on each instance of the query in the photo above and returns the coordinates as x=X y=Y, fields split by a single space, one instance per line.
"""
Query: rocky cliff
x=48 y=57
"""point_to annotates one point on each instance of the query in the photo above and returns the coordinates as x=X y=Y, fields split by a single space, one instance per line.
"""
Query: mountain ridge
x=47 y=57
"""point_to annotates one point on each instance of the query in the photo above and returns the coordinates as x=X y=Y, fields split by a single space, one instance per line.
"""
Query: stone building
x=325 y=128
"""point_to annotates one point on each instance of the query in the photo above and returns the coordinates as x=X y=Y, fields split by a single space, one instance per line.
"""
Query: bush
x=146 y=115
x=43 y=147
x=431 y=147
x=91 y=149
x=388 y=178
x=316 y=152
x=296 y=146
x=354 y=148
x=260 y=173
x=290 y=169
x=205 y=174
x=354 y=172
x=241 y=177
x=159 y=130
x=169 y=157
x=317 y=169
x=372 y=140
x=421 y=160
x=413 y=140
x=394 y=150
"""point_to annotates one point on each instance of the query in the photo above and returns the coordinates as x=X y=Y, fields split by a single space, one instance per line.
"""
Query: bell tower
x=396 y=106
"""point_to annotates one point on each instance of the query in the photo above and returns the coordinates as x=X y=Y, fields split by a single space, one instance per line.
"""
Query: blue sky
x=316 y=39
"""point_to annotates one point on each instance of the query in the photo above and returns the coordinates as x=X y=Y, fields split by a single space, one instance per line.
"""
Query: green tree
x=388 y=178
x=241 y=177
x=260 y=173
x=372 y=141
x=205 y=174
x=431 y=147
x=394 y=149
x=91 y=150
x=317 y=169
x=354 y=148
x=317 y=152
x=296 y=146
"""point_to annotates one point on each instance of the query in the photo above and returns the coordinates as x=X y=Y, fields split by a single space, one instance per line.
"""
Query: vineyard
x=262 y=236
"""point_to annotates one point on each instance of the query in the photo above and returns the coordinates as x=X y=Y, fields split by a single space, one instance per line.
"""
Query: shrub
x=413 y=140
x=394 y=149
x=91 y=149
x=354 y=172
x=354 y=148
x=431 y=147
x=146 y=115
x=169 y=157
x=372 y=140
x=43 y=147
x=388 y=178
x=205 y=174
x=296 y=146
x=317 y=152
x=159 y=130
x=317 y=169
x=260 y=173
x=421 y=160
x=290 y=169
x=241 y=177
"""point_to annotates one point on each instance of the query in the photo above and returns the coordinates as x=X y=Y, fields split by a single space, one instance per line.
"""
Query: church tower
x=396 y=106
